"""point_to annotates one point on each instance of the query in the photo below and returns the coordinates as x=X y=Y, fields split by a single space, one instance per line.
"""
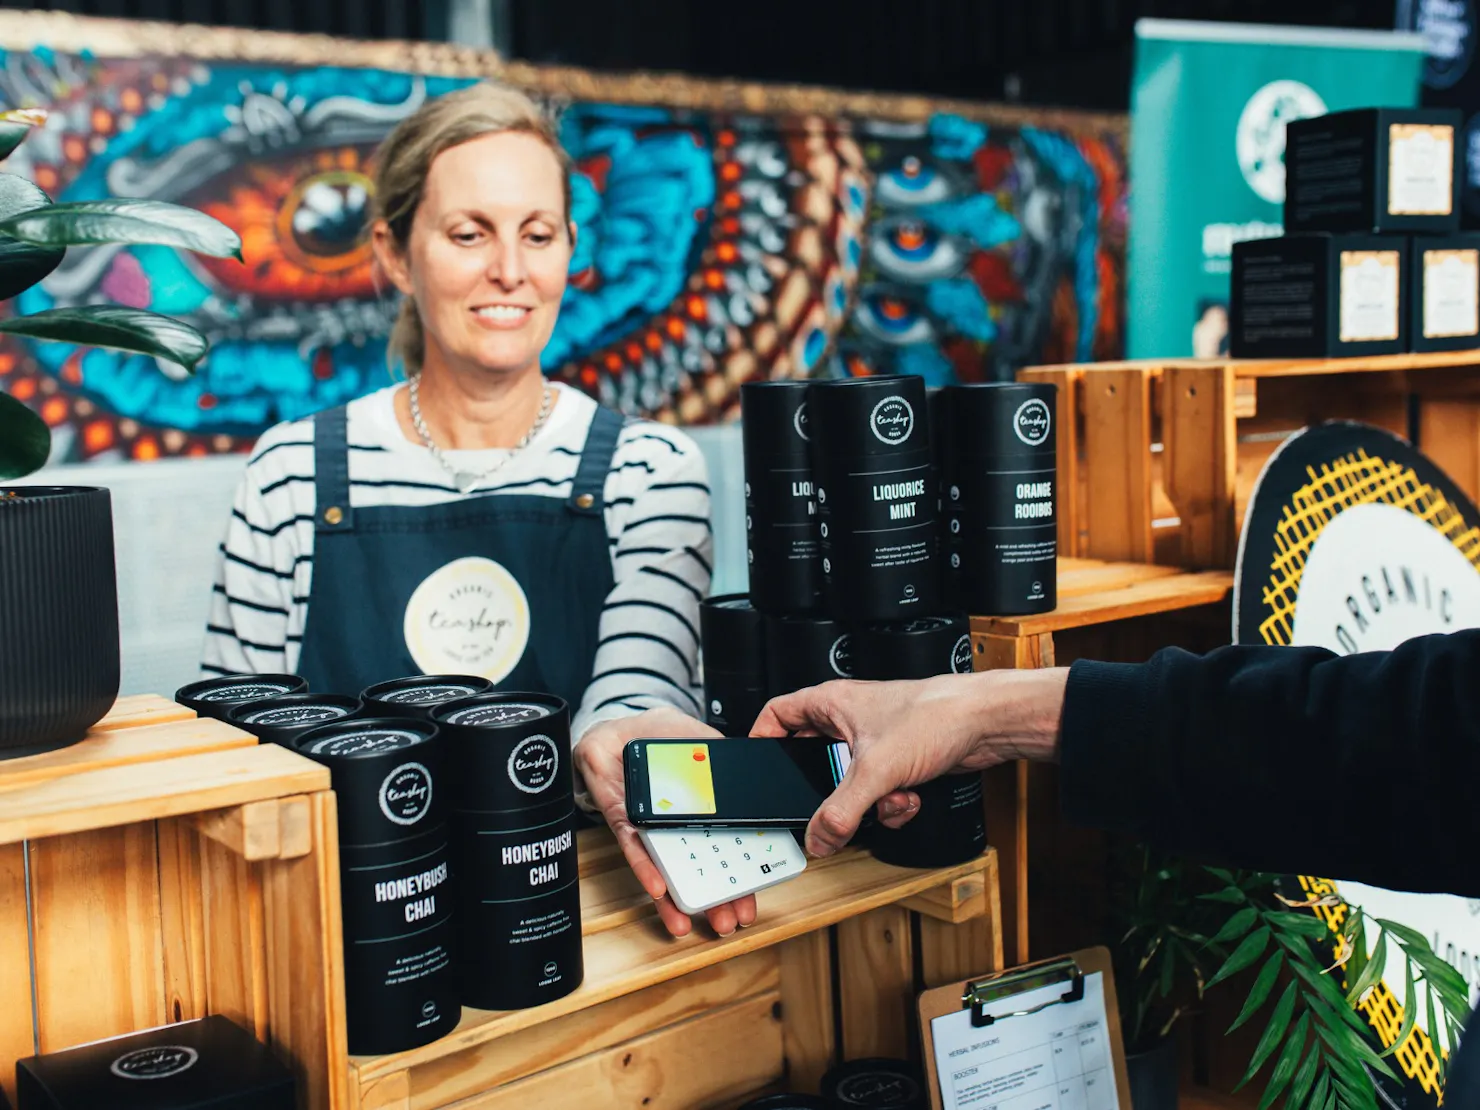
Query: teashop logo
x=533 y=763
x=961 y=655
x=406 y=794
x=468 y=617
x=160 y=1062
x=892 y=420
x=877 y=1088
x=1448 y=28
x=799 y=421
x=1259 y=140
x=1031 y=422
x=840 y=657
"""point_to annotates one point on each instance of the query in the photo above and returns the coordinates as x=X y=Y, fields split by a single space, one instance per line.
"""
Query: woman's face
x=488 y=254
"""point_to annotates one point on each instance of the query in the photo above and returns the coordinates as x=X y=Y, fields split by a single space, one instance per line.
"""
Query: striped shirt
x=657 y=524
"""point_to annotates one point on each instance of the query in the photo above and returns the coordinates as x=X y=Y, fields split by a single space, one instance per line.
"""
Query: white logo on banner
x=1259 y=141
x=468 y=617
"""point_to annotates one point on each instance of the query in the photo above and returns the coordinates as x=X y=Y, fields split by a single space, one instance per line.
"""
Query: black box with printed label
x=1319 y=296
x=210 y=1064
x=1374 y=169
x=1445 y=288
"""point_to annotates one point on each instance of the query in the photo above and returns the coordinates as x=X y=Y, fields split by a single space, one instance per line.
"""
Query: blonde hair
x=405 y=159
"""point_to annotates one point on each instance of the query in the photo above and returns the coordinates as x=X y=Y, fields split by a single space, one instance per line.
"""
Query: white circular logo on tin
x=955 y=525
x=1448 y=28
x=961 y=655
x=955 y=561
x=468 y=617
x=877 y=1089
x=1259 y=141
x=824 y=529
x=799 y=421
x=160 y=1062
x=955 y=493
x=826 y=565
x=821 y=496
x=533 y=763
x=1031 y=422
x=892 y=420
x=406 y=794
x=716 y=708
x=840 y=657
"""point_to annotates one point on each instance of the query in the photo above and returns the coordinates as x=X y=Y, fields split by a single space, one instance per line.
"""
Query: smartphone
x=731 y=783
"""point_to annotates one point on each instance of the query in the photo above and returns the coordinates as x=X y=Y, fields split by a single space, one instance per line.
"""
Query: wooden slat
x=1199 y=452
x=639 y=954
x=1077 y=577
x=1005 y=796
x=1302 y=368
x=169 y=788
x=1066 y=503
x=613 y=1023
x=876 y=980
x=304 y=962
x=16 y=1030
x=1158 y=595
x=98 y=936
x=1449 y=434
x=959 y=901
x=125 y=745
x=270 y=829
x=808 y=1034
x=951 y=953
x=235 y=943
x=182 y=920
x=710 y=1061
x=143 y=709
x=1117 y=460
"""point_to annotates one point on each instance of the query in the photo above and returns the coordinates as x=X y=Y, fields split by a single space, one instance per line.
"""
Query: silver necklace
x=467 y=481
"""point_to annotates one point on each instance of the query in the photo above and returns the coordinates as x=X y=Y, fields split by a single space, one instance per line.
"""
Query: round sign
x=468 y=617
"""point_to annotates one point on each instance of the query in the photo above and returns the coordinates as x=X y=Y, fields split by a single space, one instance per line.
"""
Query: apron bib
x=507 y=586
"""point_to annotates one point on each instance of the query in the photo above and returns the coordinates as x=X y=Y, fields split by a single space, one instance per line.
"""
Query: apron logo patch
x=468 y=617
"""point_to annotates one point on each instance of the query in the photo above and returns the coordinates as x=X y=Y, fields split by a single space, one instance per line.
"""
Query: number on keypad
x=745 y=859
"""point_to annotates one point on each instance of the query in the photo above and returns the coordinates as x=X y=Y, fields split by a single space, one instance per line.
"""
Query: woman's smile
x=502 y=317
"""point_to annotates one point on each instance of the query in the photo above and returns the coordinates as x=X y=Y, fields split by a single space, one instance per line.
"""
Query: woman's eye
x=539 y=238
x=466 y=237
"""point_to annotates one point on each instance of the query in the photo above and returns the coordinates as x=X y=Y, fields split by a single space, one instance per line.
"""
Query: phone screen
x=732 y=781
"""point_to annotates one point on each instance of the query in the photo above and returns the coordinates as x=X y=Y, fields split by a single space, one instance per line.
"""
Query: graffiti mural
x=719 y=242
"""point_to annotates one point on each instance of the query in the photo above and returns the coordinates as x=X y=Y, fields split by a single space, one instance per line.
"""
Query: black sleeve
x=1294 y=760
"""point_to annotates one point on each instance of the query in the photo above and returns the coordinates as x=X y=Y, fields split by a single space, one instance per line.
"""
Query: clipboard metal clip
x=980 y=994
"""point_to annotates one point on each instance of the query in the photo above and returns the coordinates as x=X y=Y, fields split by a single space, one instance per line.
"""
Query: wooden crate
x=1102 y=610
x=669 y=1024
x=166 y=868
x=1157 y=459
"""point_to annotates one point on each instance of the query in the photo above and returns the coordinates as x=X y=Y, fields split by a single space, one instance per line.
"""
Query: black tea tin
x=282 y=720
x=732 y=636
x=416 y=697
x=216 y=697
x=781 y=537
x=805 y=651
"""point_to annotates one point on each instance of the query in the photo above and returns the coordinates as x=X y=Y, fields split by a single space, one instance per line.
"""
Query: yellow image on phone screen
x=679 y=779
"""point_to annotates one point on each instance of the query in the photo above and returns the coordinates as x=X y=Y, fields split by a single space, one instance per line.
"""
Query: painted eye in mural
x=304 y=225
x=913 y=182
x=894 y=319
x=911 y=250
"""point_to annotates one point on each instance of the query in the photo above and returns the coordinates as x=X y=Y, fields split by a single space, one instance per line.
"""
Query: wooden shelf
x=627 y=950
x=1092 y=591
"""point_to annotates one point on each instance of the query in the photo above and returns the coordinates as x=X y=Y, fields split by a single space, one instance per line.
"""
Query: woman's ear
x=389 y=258
x=571 y=227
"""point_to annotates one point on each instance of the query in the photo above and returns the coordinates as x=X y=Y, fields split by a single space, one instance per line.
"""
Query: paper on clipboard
x=1056 y=1059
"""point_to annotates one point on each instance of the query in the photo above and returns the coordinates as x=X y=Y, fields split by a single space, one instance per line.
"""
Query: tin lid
x=364 y=738
x=997 y=419
x=214 y=697
x=774 y=421
x=418 y=695
x=387 y=773
x=277 y=720
x=498 y=710
x=859 y=417
x=875 y=1082
x=920 y=648
x=732 y=635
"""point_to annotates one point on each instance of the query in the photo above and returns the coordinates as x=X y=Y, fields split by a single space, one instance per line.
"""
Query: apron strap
x=332 y=511
x=586 y=492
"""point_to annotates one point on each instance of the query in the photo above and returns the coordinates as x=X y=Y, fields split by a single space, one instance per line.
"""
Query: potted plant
x=1183 y=929
x=59 y=665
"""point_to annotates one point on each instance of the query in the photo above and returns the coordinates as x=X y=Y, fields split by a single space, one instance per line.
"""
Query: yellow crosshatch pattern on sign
x=1355 y=479
x=1358 y=479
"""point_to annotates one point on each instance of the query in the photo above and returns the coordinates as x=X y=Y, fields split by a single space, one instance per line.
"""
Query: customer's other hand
x=599 y=759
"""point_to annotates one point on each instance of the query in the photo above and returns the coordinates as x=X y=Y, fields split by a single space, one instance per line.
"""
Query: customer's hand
x=905 y=733
x=599 y=759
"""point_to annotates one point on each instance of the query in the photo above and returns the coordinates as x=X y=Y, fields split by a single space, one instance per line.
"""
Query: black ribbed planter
x=58 y=615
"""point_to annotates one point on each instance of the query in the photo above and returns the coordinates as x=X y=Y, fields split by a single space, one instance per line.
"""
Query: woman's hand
x=599 y=759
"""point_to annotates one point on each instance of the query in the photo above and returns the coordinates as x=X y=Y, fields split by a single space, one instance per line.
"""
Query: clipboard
x=989 y=999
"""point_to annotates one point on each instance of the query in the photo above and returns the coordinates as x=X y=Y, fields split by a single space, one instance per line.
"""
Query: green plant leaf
x=1349 y=1048
x=1305 y=1075
x=1410 y=1013
x=1430 y=1023
x=25 y=440
x=1228 y=894
x=1355 y=932
x=1370 y=975
x=1323 y=1089
x=1327 y=992
x=1306 y=925
x=1168 y=970
x=1284 y=1067
x=125 y=329
x=22 y=265
x=125 y=221
x=1274 y=1032
x=15 y=125
x=1245 y=954
x=1236 y=926
x=1221 y=875
x=1259 y=992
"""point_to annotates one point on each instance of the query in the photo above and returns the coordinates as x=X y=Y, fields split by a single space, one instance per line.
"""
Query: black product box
x=1319 y=296
x=1374 y=169
x=194 y=1065
x=1444 y=287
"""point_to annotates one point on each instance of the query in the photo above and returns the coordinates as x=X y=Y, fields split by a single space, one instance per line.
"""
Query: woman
x=479 y=519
